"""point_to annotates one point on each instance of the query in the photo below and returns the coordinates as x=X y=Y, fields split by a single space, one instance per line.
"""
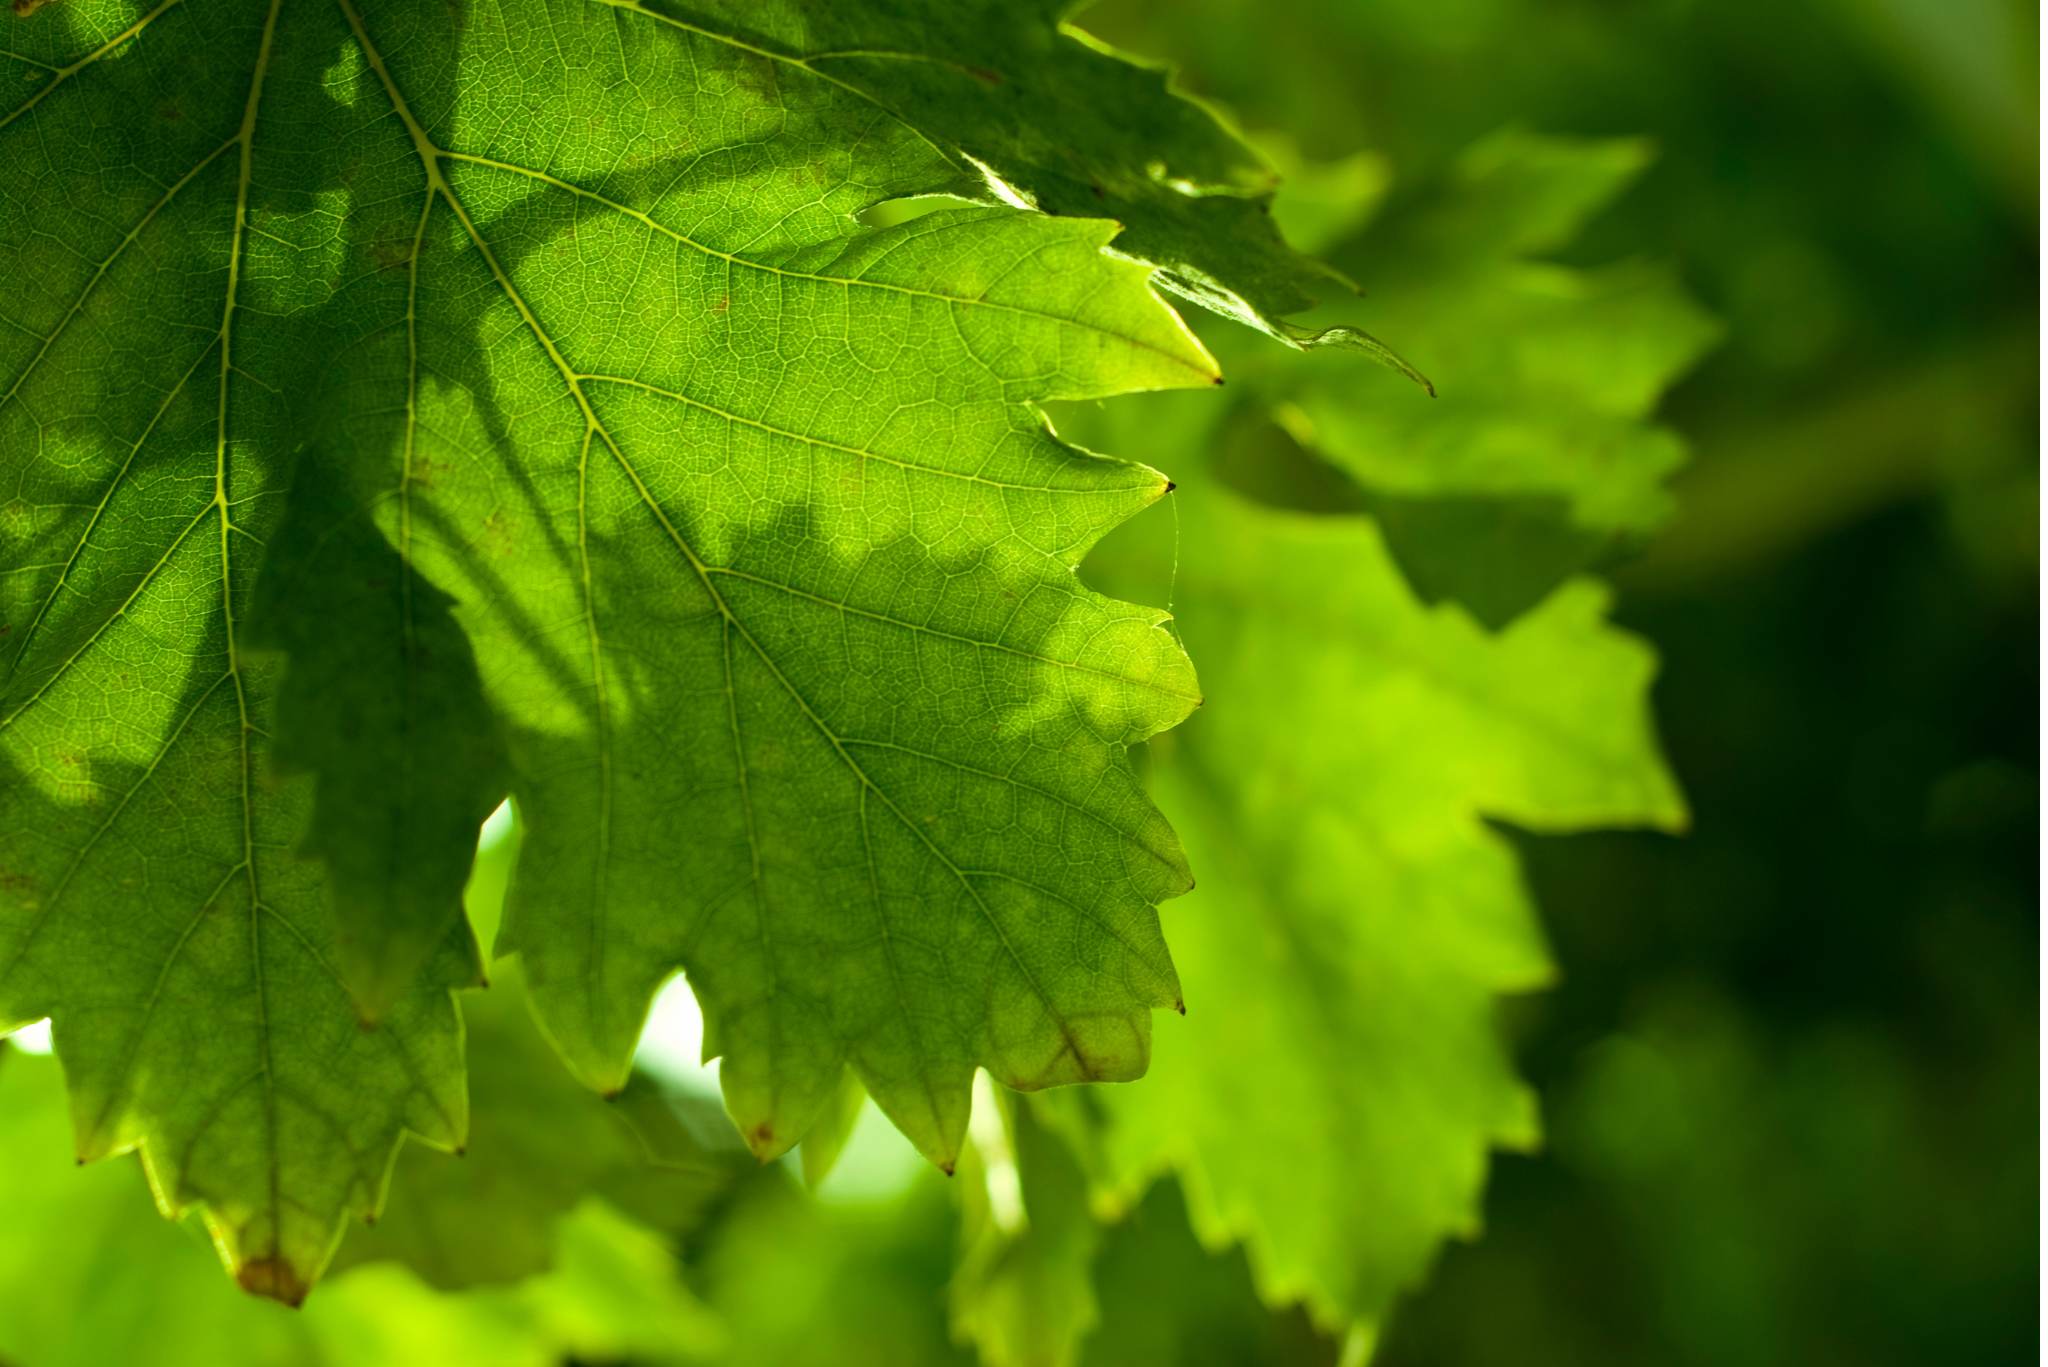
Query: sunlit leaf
x=1331 y=1098
x=406 y=404
x=90 y=1275
x=1540 y=457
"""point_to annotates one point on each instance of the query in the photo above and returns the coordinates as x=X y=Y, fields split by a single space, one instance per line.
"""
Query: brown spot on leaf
x=274 y=1278
x=24 y=8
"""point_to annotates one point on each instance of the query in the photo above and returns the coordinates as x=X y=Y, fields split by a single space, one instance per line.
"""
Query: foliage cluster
x=642 y=412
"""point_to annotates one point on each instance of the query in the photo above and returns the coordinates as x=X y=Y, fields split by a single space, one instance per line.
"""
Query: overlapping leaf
x=89 y=1275
x=1029 y=107
x=1024 y=1292
x=586 y=445
x=540 y=1146
x=1540 y=458
x=1332 y=1095
x=1335 y=793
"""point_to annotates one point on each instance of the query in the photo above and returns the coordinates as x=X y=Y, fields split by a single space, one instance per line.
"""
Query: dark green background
x=1790 y=1073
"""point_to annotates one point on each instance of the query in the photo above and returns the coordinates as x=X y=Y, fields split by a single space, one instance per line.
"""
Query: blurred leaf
x=826 y=1139
x=1537 y=460
x=89 y=1275
x=803 y=1282
x=1024 y=1291
x=540 y=1146
x=1166 y=1299
x=1332 y=1095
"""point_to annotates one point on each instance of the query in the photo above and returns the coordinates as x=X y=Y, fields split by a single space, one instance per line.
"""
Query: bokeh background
x=1790 y=1071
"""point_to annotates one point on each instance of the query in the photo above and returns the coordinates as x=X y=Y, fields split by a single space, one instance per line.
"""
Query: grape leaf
x=827 y=1136
x=1041 y=112
x=801 y=689
x=89 y=1275
x=585 y=442
x=1337 y=793
x=1335 y=797
x=1214 y=1317
x=1540 y=459
x=540 y=1146
x=1023 y=1293
x=801 y=1282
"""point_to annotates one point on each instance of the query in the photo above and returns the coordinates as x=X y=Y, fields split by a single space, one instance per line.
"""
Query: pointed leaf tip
x=1358 y=339
x=274 y=1279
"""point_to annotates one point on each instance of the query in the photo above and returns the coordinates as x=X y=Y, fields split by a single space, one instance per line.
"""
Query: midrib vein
x=227 y=594
x=431 y=156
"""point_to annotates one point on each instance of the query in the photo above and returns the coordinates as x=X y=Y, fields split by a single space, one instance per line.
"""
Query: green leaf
x=1331 y=1098
x=403 y=403
x=540 y=1146
x=89 y=1275
x=1024 y=1291
x=826 y=1139
x=1539 y=459
x=407 y=756
x=1211 y=1316
x=804 y=1282
x=827 y=628
x=1034 y=109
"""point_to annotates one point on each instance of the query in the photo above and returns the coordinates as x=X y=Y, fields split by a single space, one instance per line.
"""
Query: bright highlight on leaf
x=407 y=404
x=411 y=407
x=1350 y=885
x=1357 y=916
